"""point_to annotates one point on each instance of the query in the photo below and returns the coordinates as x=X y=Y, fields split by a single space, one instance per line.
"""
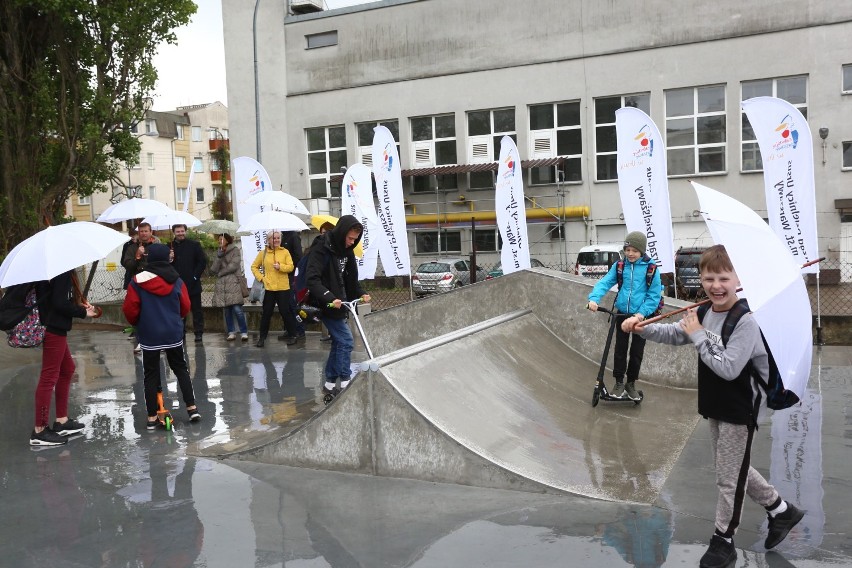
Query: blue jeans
x=230 y=313
x=340 y=355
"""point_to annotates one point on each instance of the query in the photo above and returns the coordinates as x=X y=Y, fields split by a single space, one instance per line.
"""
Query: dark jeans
x=620 y=360
x=153 y=380
x=197 y=312
x=282 y=298
x=340 y=354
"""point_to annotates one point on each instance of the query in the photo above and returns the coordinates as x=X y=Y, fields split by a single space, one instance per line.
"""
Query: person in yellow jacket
x=272 y=266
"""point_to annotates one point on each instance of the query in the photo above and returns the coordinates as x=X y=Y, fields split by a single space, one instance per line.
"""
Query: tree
x=74 y=75
x=222 y=204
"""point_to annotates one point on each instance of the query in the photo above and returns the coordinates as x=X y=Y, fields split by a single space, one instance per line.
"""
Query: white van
x=594 y=261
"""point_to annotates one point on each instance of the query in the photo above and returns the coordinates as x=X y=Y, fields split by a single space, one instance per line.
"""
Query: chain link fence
x=834 y=292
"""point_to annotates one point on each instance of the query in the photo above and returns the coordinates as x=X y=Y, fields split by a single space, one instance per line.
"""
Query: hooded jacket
x=635 y=296
x=156 y=303
x=332 y=270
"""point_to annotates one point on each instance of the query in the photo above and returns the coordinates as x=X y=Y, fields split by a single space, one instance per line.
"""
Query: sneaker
x=244 y=337
x=198 y=338
x=617 y=390
x=720 y=554
x=138 y=348
x=194 y=415
x=780 y=525
x=284 y=337
x=70 y=427
x=47 y=437
x=231 y=337
x=630 y=389
x=152 y=425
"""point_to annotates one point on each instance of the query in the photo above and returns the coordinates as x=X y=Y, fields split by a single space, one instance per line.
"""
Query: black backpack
x=777 y=397
x=13 y=305
x=649 y=277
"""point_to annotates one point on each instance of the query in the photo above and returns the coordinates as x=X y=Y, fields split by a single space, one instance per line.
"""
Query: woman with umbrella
x=272 y=266
x=59 y=301
x=228 y=290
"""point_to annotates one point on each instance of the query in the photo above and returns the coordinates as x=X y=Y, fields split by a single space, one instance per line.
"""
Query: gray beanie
x=637 y=240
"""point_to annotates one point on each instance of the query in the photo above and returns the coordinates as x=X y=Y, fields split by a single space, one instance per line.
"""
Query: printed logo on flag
x=786 y=129
x=510 y=167
x=257 y=184
x=350 y=188
x=645 y=146
x=387 y=159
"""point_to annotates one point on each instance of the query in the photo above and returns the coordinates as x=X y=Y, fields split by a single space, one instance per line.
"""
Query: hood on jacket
x=153 y=283
x=337 y=236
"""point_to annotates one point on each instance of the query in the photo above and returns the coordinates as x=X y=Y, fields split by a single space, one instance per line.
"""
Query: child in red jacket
x=156 y=303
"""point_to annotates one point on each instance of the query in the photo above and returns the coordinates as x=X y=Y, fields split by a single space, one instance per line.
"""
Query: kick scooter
x=601 y=393
x=163 y=415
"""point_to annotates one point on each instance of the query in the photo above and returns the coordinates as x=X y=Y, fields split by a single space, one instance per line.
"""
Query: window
x=181 y=195
x=322 y=39
x=150 y=126
x=696 y=130
x=794 y=90
x=150 y=156
x=487 y=240
x=84 y=200
x=847 y=155
x=136 y=164
x=179 y=131
x=199 y=195
x=426 y=242
x=606 y=145
x=224 y=132
x=365 y=139
x=214 y=164
x=197 y=165
x=555 y=131
x=152 y=192
x=180 y=164
x=847 y=79
x=135 y=191
x=326 y=155
x=433 y=143
x=485 y=128
x=196 y=134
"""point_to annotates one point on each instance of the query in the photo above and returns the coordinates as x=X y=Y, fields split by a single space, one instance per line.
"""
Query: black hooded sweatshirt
x=332 y=270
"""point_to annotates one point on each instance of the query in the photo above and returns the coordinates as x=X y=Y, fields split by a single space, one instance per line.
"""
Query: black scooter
x=601 y=393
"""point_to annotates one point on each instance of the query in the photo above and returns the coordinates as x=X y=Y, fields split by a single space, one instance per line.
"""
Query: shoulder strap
x=736 y=313
x=619 y=273
x=649 y=274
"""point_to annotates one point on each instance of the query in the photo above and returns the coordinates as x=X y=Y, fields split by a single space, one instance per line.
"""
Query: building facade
x=450 y=78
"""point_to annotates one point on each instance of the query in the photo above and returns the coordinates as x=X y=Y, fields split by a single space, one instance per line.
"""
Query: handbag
x=28 y=332
x=244 y=290
x=257 y=288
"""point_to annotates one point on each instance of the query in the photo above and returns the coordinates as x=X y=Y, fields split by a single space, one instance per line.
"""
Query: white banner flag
x=393 y=243
x=249 y=178
x=188 y=191
x=511 y=210
x=786 y=148
x=643 y=183
x=357 y=200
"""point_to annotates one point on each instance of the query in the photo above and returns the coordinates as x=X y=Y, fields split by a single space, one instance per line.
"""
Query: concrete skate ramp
x=505 y=404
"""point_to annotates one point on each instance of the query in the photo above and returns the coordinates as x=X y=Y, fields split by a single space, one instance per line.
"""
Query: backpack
x=300 y=285
x=19 y=316
x=649 y=277
x=777 y=397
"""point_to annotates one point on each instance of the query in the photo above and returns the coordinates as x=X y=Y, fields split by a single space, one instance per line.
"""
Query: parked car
x=498 y=270
x=594 y=261
x=443 y=275
x=686 y=274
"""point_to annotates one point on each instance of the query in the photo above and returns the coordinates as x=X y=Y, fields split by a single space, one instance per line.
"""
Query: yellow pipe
x=554 y=213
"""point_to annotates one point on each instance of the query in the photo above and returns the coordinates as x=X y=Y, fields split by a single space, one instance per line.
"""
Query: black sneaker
x=780 y=525
x=70 y=427
x=720 y=554
x=47 y=437
x=152 y=425
x=194 y=415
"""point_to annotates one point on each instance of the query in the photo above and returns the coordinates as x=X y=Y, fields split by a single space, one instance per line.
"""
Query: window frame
x=326 y=151
x=846 y=146
x=623 y=102
x=696 y=116
x=196 y=134
x=365 y=152
x=494 y=137
x=752 y=142
x=556 y=128
x=420 y=234
x=444 y=182
x=846 y=73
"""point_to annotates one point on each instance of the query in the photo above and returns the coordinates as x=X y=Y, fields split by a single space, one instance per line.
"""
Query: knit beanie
x=157 y=253
x=637 y=240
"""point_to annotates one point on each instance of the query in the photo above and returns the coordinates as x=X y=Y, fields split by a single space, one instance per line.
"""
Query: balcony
x=217 y=143
x=216 y=176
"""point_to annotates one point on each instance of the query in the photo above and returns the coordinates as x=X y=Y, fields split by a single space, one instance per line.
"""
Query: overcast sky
x=193 y=71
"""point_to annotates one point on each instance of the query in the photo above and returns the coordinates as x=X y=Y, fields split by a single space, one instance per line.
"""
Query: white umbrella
x=771 y=279
x=278 y=200
x=134 y=208
x=218 y=227
x=58 y=249
x=267 y=220
x=168 y=220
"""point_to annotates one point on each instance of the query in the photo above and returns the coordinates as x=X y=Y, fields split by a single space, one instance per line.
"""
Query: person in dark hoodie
x=332 y=278
x=156 y=303
x=58 y=304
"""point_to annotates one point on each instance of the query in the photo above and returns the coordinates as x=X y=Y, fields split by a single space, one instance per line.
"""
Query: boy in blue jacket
x=639 y=296
x=156 y=303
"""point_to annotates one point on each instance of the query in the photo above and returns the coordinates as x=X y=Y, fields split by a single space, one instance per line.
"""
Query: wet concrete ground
x=122 y=496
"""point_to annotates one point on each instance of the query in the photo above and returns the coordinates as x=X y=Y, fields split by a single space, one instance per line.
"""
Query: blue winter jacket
x=635 y=296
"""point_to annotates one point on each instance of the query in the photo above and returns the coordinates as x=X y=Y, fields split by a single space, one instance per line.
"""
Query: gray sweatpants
x=734 y=475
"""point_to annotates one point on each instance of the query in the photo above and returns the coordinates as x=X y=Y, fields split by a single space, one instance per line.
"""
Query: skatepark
x=467 y=439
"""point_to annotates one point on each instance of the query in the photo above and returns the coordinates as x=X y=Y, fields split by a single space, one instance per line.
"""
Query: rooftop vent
x=305 y=6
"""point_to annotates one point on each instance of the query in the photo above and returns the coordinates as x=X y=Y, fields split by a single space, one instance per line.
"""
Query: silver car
x=443 y=275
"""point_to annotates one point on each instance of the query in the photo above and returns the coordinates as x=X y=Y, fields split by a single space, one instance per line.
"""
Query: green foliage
x=74 y=75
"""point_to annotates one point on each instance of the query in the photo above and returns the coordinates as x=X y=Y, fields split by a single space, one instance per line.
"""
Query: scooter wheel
x=169 y=424
x=596 y=397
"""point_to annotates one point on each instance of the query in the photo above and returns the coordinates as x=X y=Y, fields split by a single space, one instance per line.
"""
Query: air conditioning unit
x=305 y=6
